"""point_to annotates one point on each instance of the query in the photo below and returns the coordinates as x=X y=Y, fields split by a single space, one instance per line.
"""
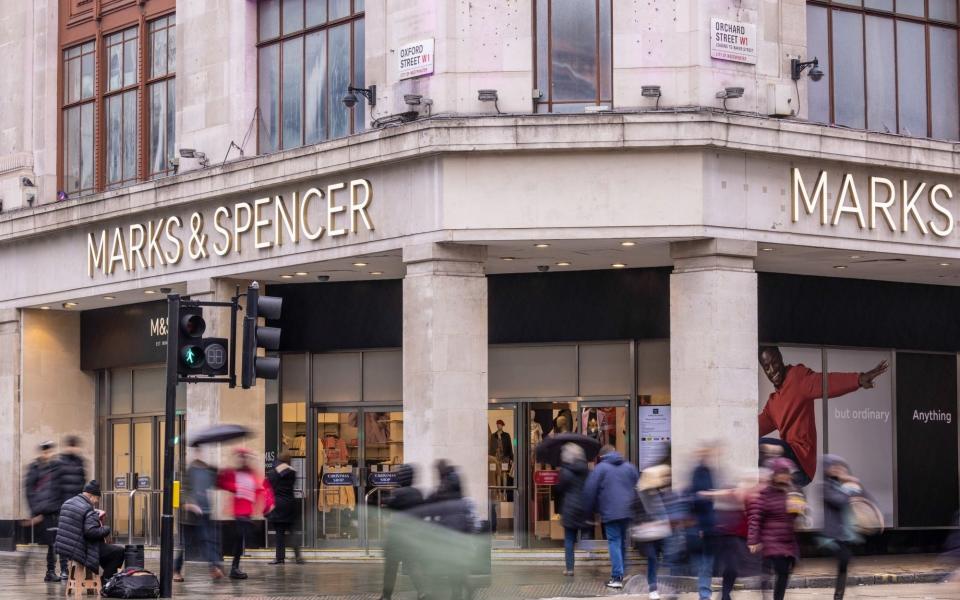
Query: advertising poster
x=927 y=488
x=860 y=426
x=654 y=434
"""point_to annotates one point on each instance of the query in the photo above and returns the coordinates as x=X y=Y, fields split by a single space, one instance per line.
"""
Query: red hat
x=500 y=422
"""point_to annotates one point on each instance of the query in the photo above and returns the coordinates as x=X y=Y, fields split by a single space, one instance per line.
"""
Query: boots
x=51 y=576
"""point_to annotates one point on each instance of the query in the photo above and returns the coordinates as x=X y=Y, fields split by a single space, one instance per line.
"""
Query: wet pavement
x=512 y=579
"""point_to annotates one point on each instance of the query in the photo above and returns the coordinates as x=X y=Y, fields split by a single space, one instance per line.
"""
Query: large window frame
x=89 y=26
x=545 y=57
x=302 y=29
x=898 y=19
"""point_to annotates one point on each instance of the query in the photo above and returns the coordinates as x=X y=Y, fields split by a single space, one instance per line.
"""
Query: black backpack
x=132 y=583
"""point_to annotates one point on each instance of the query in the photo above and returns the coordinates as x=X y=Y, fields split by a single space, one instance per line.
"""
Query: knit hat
x=92 y=487
x=46 y=445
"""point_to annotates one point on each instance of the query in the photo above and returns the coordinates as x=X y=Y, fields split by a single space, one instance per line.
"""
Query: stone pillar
x=445 y=363
x=713 y=352
x=10 y=501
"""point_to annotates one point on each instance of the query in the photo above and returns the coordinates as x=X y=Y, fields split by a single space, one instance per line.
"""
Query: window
x=573 y=54
x=892 y=65
x=309 y=52
x=117 y=123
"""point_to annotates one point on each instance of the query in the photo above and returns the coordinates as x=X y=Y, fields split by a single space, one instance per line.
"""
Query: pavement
x=912 y=576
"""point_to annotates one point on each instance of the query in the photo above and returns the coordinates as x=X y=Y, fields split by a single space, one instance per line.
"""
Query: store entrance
x=524 y=505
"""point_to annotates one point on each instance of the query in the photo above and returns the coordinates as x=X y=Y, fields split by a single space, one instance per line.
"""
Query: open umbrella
x=548 y=451
x=219 y=433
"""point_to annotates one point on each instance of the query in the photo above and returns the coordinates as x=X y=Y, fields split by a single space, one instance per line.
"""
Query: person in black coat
x=286 y=513
x=569 y=499
x=43 y=496
x=71 y=469
x=396 y=548
x=82 y=534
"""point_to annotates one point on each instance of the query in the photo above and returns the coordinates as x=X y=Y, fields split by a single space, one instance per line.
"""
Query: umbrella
x=548 y=451
x=219 y=433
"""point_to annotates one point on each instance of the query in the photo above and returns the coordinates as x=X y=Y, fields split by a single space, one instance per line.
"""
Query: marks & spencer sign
x=339 y=209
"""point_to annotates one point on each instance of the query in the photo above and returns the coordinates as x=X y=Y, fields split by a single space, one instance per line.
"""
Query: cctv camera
x=543 y=268
x=165 y=290
x=349 y=100
x=322 y=278
x=815 y=73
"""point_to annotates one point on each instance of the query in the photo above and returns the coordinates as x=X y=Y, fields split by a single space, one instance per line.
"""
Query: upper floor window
x=309 y=51
x=573 y=54
x=79 y=105
x=892 y=65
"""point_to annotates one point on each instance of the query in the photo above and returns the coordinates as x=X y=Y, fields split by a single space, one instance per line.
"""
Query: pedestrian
x=250 y=491
x=448 y=483
x=568 y=497
x=396 y=548
x=71 y=469
x=609 y=491
x=731 y=532
x=82 y=535
x=700 y=542
x=286 y=513
x=44 y=498
x=199 y=481
x=771 y=526
x=838 y=536
x=655 y=528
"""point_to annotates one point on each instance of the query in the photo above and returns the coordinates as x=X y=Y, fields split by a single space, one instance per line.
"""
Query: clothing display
x=336 y=497
x=335 y=450
x=501 y=446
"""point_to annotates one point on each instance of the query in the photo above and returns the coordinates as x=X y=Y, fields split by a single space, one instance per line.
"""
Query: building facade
x=490 y=223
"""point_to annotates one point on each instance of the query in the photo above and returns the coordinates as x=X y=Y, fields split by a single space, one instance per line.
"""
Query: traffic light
x=255 y=336
x=197 y=355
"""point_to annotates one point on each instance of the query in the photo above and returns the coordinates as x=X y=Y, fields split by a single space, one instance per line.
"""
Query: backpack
x=132 y=583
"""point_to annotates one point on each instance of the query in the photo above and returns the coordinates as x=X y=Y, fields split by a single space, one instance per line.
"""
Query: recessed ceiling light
x=628 y=244
x=359 y=264
x=69 y=304
x=44 y=308
x=149 y=292
x=376 y=272
x=541 y=245
x=109 y=297
x=618 y=265
x=563 y=263
x=286 y=276
x=855 y=256
x=944 y=264
x=506 y=258
x=766 y=249
x=301 y=273
x=841 y=267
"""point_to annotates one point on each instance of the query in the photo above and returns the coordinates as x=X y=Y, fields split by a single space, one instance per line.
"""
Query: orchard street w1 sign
x=730 y=40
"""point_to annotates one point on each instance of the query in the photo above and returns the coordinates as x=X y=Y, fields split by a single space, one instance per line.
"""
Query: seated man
x=81 y=533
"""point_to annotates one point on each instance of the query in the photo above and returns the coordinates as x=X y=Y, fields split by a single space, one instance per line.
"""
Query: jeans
x=653 y=550
x=616 y=532
x=569 y=540
x=244 y=530
x=704 y=565
x=780 y=566
x=202 y=535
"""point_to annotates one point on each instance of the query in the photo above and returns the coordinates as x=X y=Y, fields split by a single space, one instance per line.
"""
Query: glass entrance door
x=608 y=422
x=546 y=419
x=503 y=466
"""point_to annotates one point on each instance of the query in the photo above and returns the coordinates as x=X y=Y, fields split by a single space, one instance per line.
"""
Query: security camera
x=543 y=268
x=322 y=278
x=349 y=100
x=165 y=290
x=815 y=73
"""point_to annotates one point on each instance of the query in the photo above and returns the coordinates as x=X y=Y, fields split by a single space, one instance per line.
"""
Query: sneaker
x=654 y=595
x=216 y=573
x=237 y=574
x=615 y=583
x=568 y=572
x=50 y=577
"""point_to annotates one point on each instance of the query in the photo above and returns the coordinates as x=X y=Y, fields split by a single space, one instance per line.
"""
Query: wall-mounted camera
x=543 y=268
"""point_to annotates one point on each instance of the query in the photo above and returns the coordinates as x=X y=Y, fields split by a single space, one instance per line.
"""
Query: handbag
x=866 y=517
x=651 y=531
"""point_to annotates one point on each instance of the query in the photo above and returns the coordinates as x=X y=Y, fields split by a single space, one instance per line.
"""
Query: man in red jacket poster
x=790 y=408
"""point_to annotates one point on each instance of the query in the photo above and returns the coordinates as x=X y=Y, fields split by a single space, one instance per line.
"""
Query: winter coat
x=701 y=506
x=770 y=524
x=569 y=493
x=201 y=479
x=285 y=510
x=836 y=503
x=248 y=490
x=79 y=532
x=610 y=488
x=43 y=491
x=71 y=475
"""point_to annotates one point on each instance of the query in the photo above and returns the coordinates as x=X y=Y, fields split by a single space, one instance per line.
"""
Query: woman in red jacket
x=249 y=490
x=771 y=526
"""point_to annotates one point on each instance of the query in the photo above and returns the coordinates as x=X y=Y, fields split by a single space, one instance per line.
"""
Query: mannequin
x=501 y=446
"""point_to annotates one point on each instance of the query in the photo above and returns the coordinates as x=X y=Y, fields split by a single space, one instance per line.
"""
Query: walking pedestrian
x=199 y=481
x=568 y=494
x=655 y=500
x=731 y=532
x=838 y=487
x=286 y=513
x=771 y=527
x=396 y=549
x=249 y=491
x=610 y=492
x=44 y=498
x=82 y=534
x=700 y=542
x=71 y=469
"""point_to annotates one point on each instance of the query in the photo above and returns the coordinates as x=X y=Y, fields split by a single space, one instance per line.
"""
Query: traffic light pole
x=166 y=517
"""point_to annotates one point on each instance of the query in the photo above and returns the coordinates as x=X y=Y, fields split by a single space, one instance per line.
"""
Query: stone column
x=10 y=501
x=713 y=352
x=445 y=363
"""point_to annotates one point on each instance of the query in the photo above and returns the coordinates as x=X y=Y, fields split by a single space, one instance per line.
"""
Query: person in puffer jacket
x=610 y=491
x=71 y=470
x=81 y=534
x=771 y=526
x=43 y=497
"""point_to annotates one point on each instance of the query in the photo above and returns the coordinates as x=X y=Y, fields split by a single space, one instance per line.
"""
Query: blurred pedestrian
x=44 y=496
x=771 y=526
x=570 y=501
x=700 y=541
x=199 y=482
x=396 y=548
x=71 y=469
x=250 y=491
x=82 y=535
x=839 y=486
x=610 y=492
x=731 y=531
x=286 y=513
x=655 y=524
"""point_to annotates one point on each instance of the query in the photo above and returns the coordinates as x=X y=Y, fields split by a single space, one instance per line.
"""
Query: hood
x=614 y=458
x=830 y=460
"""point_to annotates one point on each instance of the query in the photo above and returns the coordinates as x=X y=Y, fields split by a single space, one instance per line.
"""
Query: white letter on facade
x=800 y=191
